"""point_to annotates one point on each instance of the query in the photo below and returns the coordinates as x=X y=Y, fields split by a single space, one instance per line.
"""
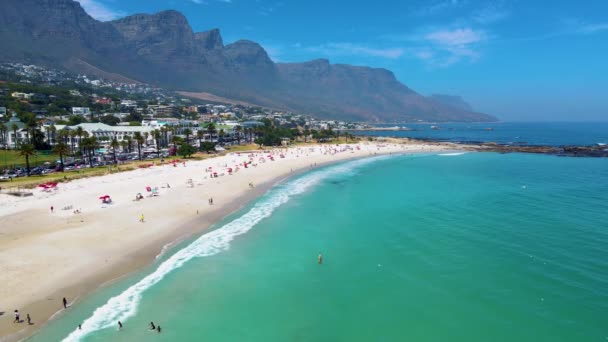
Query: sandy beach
x=84 y=243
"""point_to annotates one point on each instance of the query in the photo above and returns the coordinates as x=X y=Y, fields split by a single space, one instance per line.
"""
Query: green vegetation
x=10 y=158
x=186 y=150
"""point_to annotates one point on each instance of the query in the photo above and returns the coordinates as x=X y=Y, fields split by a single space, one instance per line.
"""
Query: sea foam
x=124 y=305
x=452 y=154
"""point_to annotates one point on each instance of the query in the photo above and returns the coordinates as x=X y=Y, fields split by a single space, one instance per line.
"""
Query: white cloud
x=333 y=49
x=491 y=14
x=99 y=11
x=439 y=6
x=593 y=28
x=457 y=37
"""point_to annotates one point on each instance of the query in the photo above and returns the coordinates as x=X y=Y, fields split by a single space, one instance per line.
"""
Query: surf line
x=124 y=305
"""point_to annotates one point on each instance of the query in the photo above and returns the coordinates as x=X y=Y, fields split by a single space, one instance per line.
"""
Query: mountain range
x=162 y=49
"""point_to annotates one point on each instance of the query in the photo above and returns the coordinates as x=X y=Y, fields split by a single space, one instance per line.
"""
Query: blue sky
x=516 y=59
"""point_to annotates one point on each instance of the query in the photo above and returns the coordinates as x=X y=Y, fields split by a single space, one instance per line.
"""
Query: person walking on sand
x=141 y=218
x=29 y=319
x=17 y=319
x=65 y=303
x=320 y=259
x=52 y=209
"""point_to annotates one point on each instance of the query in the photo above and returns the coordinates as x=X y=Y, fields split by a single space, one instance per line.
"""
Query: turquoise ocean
x=422 y=247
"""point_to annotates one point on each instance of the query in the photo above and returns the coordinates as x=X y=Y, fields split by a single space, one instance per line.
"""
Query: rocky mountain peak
x=209 y=40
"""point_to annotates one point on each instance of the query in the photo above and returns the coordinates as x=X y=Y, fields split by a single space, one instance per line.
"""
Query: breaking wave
x=125 y=305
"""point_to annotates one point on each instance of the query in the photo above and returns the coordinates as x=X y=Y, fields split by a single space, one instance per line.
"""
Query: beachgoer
x=79 y=326
x=141 y=218
x=29 y=319
x=17 y=320
x=52 y=209
x=65 y=303
x=158 y=329
x=152 y=326
x=119 y=325
x=320 y=259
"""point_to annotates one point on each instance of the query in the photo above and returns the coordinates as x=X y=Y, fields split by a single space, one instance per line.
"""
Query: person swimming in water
x=119 y=325
x=158 y=329
x=320 y=259
x=152 y=326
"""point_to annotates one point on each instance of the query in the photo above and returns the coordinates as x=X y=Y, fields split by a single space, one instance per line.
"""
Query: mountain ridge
x=163 y=50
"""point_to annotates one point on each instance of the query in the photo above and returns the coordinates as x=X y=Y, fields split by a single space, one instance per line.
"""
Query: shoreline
x=45 y=305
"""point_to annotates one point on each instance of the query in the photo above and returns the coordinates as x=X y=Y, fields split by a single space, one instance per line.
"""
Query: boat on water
x=435 y=128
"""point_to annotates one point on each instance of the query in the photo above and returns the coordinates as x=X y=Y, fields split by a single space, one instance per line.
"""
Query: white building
x=81 y=111
x=107 y=133
x=128 y=103
x=23 y=96
x=14 y=140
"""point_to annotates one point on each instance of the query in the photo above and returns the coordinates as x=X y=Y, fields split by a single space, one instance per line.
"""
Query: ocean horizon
x=425 y=247
x=548 y=133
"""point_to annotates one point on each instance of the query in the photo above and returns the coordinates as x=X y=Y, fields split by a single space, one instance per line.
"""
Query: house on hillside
x=81 y=111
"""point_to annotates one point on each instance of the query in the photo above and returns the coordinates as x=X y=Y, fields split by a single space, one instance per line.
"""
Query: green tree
x=139 y=139
x=109 y=120
x=211 y=130
x=200 y=134
x=27 y=150
x=114 y=144
x=238 y=129
x=89 y=144
x=175 y=140
x=14 y=128
x=128 y=143
x=187 y=132
x=221 y=135
x=3 y=131
x=62 y=149
x=74 y=120
x=186 y=150
x=207 y=146
x=157 y=136
x=79 y=133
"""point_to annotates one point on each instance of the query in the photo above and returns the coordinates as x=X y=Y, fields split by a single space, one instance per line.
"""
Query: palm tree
x=62 y=149
x=51 y=134
x=200 y=134
x=73 y=139
x=157 y=135
x=139 y=139
x=251 y=134
x=114 y=144
x=14 y=127
x=2 y=134
x=80 y=132
x=125 y=145
x=129 y=142
x=187 y=132
x=89 y=144
x=221 y=134
x=165 y=132
x=26 y=151
x=306 y=134
x=238 y=130
x=211 y=130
